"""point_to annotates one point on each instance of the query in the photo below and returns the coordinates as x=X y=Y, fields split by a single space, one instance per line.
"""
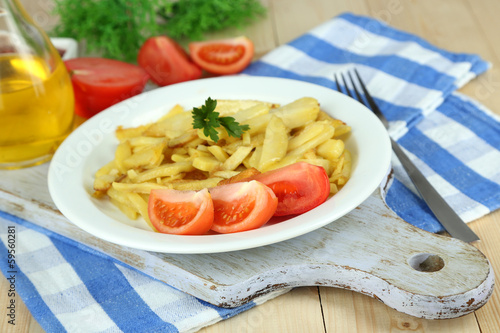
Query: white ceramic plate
x=93 y=144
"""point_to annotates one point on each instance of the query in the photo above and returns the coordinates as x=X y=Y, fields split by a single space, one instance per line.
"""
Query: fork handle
x=453 y=224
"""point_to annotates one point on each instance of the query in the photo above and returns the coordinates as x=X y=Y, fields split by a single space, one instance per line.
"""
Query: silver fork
x=443 y=212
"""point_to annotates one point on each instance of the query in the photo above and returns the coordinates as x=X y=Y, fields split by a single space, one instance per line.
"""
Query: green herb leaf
x=207 y=119
x=232 y=127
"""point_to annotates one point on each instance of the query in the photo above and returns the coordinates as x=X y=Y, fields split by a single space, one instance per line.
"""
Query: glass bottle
x=36 y=97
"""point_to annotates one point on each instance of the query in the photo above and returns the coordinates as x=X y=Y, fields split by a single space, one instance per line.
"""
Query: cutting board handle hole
x=426 y=262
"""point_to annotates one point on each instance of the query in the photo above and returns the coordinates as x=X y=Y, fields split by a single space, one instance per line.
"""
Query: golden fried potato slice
x=254 y=160
x=218 y=153
x=299 y=112
x=257 y=124
x=148 y=158
x=121 y=200
x=123 y=152
x=175 y=110
x=307 y=133
x=164 y=170
x=183 y=139
x=229 y=107
x=275 y=143
x=331 y=149
x=237 y=158
x=171 y=127
x=251 y=112
x=106 y=169
x=240 y=176
x=195 y=185
x=206 y=163
x=128 y=133
x=138 y=187
x=141 y=206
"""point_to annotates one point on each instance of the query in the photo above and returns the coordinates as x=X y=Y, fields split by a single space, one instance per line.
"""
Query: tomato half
x=299 y=187
x=242 y=206
x=224 y=56
x=99 y=83
x=181 y=212
x=166 y=61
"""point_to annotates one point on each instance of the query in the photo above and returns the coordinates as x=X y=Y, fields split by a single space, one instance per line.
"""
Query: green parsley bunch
x=118 y=28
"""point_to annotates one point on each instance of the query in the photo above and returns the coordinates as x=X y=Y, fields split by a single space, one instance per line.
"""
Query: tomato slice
x=299 y=187
x=166 y=61
x=181 y=212
x=99 y=83
x=242 y=206
x=224 y=56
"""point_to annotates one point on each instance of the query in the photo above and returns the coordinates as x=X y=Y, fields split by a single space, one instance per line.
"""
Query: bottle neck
x=20 y=35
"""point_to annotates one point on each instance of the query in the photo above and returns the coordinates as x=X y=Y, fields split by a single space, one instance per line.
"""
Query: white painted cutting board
x=370 y=251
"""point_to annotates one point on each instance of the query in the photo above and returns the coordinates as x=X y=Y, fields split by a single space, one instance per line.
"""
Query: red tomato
x=299 y=187
x=181 y=212
x=242 y=206
x=99 y=83
x=224 y=56
x=166 y=62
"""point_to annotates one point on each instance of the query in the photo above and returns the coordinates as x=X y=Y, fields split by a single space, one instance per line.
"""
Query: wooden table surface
x=456 y=25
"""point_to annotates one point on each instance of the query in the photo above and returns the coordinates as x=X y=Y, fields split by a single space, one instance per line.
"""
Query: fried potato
x=298 y=113
x=206 y=163
x=147 y=158
x=127 y=133
x=253 y=161
x=123 y=151
x=257 y=124
x=171 y=127
x=177 y=109
x=170 y=154
x=138 y=187
x=331 y=149
x=251 y=112
x=237 y=158
x=218 y=153
x=240 y=176
x=121 y=200
x=275 y=143
x=229 y=107
x=196 y=185
x=310 y=131
x=164 y=170
x=183 y=139
x=106 y=169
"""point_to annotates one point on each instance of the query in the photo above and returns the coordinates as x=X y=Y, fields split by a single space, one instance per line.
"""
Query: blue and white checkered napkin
x=451 y=138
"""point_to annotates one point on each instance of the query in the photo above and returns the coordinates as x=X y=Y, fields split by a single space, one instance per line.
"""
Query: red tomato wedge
x=224 y=56
x=299 y=187
x=166 y=62
x=181 y=212
x=99 y=83
x=242 y=206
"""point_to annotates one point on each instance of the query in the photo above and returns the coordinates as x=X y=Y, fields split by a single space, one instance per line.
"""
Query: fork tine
x=358 y=95
x=369 y=98
x=339 y=89
x=345 y=85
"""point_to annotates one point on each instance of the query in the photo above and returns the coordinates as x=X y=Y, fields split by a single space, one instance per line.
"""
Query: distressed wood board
x=370 y=250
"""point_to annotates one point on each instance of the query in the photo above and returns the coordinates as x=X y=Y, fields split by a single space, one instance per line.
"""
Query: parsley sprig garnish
x=207 y=119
